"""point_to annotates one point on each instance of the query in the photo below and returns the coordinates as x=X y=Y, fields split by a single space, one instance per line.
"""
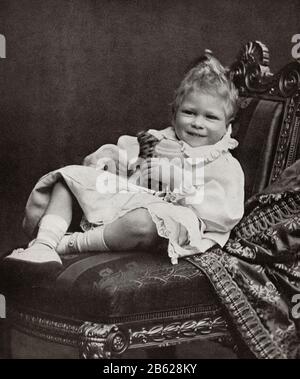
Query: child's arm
x=107 y=151
x=115 y=158
x=215 y=191
x=220 y=201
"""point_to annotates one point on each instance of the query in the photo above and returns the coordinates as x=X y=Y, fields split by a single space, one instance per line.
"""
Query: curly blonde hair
x=208 y=76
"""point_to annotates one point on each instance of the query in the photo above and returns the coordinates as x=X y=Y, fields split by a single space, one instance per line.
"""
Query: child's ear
x=229 y=122
x=173 y=121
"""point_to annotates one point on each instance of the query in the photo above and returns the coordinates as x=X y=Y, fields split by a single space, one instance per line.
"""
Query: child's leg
x=134 y=230
x=60 y=203
x=52 y=228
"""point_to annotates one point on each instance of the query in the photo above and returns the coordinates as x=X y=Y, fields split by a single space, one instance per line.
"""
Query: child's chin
x=199 y=143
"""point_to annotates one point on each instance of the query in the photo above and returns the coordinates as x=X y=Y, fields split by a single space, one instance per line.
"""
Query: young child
x=198 y=192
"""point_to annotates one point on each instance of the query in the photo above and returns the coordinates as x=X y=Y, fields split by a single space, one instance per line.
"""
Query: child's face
x=200 y=119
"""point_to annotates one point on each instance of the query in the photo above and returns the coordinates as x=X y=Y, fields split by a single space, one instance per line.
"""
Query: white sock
x=92 y=240
x=51 y=230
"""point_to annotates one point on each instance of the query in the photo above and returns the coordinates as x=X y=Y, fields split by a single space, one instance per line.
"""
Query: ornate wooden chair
x=108 y=304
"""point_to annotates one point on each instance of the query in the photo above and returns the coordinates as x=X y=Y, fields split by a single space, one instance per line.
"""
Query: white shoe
x=37 y=253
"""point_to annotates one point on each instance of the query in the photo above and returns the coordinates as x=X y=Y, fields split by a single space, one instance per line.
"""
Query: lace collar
x=209 y=152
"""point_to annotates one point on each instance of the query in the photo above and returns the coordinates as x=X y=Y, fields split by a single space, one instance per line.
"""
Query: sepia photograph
x=149 y=182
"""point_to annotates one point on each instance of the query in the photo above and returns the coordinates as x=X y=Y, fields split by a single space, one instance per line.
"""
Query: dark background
x=79 y=73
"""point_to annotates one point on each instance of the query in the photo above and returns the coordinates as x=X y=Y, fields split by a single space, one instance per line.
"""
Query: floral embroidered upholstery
x=257 y=273
x=278 y=202
x=112 y=286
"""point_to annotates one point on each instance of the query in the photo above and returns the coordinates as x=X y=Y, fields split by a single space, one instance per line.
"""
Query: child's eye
x=212 y=117
x=188 y=112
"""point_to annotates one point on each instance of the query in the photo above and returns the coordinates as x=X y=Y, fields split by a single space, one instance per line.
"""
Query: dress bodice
x=165 y=144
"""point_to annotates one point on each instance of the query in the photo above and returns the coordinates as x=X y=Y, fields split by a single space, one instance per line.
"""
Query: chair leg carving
x=206 y=327
x=104 y=341
x=101 y=341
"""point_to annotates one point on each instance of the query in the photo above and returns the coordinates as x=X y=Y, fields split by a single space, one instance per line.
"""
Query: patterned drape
x=257 y=274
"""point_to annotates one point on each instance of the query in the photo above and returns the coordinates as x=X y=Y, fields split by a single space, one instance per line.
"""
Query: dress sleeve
x=219 y=201
x=130 y=146
x=125 y=151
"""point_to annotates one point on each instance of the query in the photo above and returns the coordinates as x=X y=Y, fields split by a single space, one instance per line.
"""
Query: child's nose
x=198 y=122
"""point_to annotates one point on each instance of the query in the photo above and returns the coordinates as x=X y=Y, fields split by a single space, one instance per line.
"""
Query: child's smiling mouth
x=196 y=134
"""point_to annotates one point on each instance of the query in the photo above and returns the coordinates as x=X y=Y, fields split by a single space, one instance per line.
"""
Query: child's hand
x=106 y=152
x=110 y=158
x=161 y=170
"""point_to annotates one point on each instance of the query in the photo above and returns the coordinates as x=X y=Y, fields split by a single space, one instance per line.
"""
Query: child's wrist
x=186 y=188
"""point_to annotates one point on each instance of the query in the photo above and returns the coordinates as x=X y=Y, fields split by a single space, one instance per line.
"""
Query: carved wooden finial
x=251 y=72
x=208 y=52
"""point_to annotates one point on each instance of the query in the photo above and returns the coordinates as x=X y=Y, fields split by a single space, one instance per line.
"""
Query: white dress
x=206 y=212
